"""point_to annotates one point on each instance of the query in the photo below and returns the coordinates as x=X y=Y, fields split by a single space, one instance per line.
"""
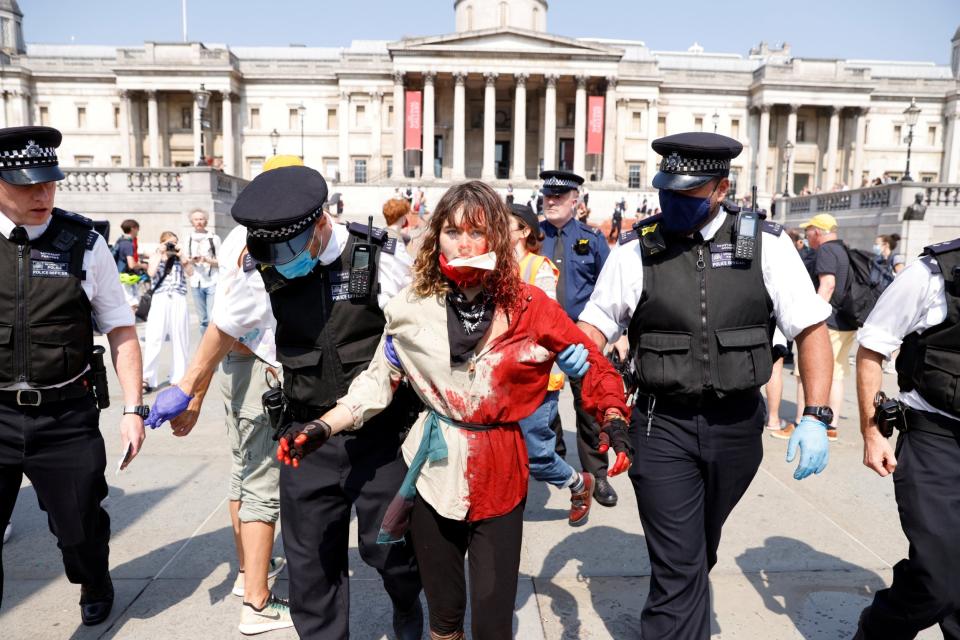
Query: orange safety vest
x=529 y=268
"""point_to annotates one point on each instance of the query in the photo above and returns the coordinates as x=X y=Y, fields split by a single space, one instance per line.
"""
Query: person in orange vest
x=545 y=464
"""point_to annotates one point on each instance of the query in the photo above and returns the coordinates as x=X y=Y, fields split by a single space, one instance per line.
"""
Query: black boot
x=604 y=493
x=96 y=601
x=408 y=625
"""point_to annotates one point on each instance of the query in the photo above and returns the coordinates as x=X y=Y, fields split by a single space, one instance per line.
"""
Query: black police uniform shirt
x=914 y=302
x=585 y=251
x=796 y=304
x=101 y=284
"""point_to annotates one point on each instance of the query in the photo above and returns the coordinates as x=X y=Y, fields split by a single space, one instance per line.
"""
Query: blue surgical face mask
x=300 y=266
x=683 y=214
x=877 y=250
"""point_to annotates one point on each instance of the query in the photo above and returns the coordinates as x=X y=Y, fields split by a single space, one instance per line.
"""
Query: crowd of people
x=414 y=378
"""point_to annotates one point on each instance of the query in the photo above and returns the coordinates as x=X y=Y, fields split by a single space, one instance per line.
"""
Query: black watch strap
x=142 y=410
x=823 y=413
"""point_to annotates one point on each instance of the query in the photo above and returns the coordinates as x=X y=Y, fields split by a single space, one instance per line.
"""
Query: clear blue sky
x=876 y=29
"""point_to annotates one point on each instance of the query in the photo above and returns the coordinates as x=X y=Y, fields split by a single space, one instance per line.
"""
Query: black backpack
x=865 y=283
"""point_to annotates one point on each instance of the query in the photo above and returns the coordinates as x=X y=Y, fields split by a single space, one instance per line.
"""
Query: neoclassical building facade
x=500 y=98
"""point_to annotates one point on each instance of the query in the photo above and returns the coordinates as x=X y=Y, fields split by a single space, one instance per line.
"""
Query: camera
x=171 y=246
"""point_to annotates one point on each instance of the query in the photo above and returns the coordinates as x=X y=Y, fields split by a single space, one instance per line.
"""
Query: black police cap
x=692 y=159
x=556 y=182
x=526 y=214
x=28 y=155
x=278 y=208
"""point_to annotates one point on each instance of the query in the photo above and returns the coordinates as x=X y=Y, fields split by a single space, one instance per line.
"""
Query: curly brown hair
x=482 y=209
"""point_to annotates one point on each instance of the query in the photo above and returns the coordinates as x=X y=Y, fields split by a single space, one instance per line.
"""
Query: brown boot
x=580 y=501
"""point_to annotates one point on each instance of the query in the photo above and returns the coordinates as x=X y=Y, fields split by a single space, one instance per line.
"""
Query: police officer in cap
x=578 y=251
x=58 y=278
x=697 y=287
x=328 y=284
x=919 y=313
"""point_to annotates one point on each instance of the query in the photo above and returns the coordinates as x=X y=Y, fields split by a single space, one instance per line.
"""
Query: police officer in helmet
x=697 y=286
x=58 y=277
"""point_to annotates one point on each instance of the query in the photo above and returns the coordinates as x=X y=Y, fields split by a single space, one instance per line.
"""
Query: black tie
x=558 y=260
x=19 y=235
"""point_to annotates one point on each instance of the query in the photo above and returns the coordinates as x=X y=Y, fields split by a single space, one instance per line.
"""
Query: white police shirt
x=914 y=302
x=101 y=284
x=796 y=304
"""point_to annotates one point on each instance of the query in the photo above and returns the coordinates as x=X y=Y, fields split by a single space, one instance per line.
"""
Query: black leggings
x=494 y=547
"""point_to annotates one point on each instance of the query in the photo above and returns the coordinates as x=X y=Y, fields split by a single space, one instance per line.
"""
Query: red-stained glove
x=301 y=439
x=614 y=434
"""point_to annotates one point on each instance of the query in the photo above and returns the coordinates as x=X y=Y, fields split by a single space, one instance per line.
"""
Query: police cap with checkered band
x=690 y=160
x=28 y=155
x=279 y=209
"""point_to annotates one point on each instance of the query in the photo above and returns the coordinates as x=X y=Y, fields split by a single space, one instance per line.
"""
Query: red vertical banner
x=413 y=120
x=595 y=125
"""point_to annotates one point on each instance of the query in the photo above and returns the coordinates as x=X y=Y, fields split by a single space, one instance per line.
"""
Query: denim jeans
x=545 y=464
x=203 y=297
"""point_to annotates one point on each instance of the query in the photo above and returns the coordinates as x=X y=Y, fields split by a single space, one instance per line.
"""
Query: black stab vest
x=929 y=362
x=702 y=328
x=46 y=327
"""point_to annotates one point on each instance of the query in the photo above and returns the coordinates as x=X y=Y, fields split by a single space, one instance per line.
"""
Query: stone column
x=153 y=129
x=429 y=111
x=488 y=171
x=653 y=122
x=343 y=137
x=520 y=128
x=198 y=151
x=610 y=131
x=459 y=127
x=859 y=141
x=832 y=142
x=3 y=108
x=23 y=105
x=124 y=132
x=229 y=158
x=580 y=128
x=622 y=125
x=550 y=124
x=376 y=135
x=792 y=139
x=763 y=144
x=951 y=150
x=398 y=116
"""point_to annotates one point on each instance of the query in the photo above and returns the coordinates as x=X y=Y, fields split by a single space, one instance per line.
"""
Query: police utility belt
x=94 y=381
x=892 y=414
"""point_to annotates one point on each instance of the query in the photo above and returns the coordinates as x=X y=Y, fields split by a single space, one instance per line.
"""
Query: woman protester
x=886 y=261
x=168 y=316
x=477 y=344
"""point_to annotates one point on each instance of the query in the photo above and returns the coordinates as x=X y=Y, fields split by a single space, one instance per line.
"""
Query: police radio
x=362 y=265
x=745 y=233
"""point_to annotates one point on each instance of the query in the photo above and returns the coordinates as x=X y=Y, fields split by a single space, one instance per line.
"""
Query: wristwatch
x=822 y=413
x=142 y=410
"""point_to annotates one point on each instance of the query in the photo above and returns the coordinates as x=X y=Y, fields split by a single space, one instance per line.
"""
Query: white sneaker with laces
x=275 y=614
x=277 y=565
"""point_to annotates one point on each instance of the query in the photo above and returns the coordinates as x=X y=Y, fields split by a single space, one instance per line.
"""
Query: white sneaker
x=7 y=532
x=277 y=565
x=274 y=615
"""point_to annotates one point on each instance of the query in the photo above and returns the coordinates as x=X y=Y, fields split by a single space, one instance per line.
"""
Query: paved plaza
x=798 y=559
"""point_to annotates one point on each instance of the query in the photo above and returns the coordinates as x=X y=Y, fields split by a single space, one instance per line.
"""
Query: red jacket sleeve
x=552 y=328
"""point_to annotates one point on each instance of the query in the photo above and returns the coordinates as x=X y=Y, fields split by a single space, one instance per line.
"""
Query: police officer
x=58 y=277
x=578 y=251
x=328 y=284
x=696 y=286
x=919 y=313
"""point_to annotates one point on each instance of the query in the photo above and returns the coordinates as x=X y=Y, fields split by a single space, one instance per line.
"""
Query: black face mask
x=683 y=214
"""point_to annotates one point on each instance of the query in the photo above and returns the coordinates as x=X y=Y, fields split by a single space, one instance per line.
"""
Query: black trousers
x=494 y=556
x=59 y=448
x=588 y=436
x=361 y=469
x=926 y=585
x=688 y=475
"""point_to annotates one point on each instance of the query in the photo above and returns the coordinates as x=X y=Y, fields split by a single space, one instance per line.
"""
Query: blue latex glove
x=391 y=352
x=573 y=361
x=170 y=403
x=811 y=436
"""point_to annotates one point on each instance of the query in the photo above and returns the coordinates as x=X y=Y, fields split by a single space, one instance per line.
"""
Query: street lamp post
x=300 y=110
x=716 y=120
x=910 y=114
x=274 y=139
x=787 y=153
x=203 y=99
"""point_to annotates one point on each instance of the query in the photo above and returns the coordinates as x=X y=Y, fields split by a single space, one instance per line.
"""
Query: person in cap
x=578 y=251
x=58 y=276
x=698 y=310
x=241 y=340
x=546 y=465
x=328 y=284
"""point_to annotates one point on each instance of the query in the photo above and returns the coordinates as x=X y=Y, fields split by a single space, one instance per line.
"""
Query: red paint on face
x=460 y=239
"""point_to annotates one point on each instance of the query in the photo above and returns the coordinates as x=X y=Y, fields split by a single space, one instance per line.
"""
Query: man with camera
x=919 y=313
x=168 y=314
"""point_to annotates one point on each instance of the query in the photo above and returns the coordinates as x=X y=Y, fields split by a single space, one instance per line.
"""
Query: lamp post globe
x=274 y=140
x=787 y=154
x=910 y=115
x=716 y=120
x=202 y=96
x=301 y=109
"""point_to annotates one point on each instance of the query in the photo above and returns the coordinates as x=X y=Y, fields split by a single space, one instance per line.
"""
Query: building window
x=360 y=116
x=390 y=117
x=637 y=121
x=254 y=167
x=571 y=114
x=801 y=131
x=928 y=177
x=293 y=119
x=698 y=124
x=535 y=18
x=897 y=134
x=83 y=161
x=116 y=117
x=504 y=14
x=389 y=167
x=254 y=117
x=469 y=18
x=735 y=128
x=331 y=119
x=931 y=136
x=115 y=161
x=45 y=115
x=360 y=170
x=661 y=126
x=331 y=170
x=634 y=176
x=186 y=117
x=81 y=117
